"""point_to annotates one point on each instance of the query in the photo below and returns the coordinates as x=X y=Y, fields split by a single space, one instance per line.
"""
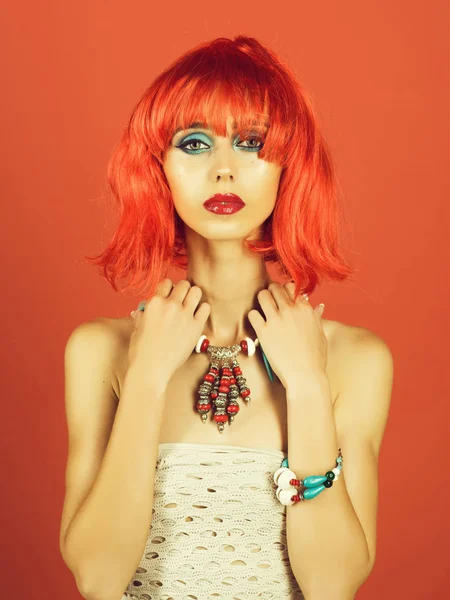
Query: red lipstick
x=224 y=204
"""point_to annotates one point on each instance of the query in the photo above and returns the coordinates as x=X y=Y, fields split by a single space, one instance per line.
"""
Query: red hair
x=243 y=78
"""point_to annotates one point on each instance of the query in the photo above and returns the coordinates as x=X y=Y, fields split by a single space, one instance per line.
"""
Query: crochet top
x=218 y=531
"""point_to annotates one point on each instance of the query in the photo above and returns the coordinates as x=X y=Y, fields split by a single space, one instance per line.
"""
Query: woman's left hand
x=292 y=335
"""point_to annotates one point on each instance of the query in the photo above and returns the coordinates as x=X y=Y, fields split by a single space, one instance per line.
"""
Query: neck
x=230 y=279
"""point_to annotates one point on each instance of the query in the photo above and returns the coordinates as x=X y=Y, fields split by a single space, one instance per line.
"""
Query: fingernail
x=321 y=308
x=132 y=313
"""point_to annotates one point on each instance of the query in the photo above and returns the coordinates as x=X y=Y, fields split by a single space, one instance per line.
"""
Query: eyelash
x=189 y=142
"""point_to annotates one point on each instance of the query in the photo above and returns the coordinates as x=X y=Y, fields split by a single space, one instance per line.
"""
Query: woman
x=177 y=485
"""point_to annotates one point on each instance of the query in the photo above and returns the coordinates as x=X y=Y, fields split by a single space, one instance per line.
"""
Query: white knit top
x=218 y=531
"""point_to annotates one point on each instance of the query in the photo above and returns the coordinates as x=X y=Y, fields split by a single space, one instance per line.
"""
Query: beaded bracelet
x=288 y=483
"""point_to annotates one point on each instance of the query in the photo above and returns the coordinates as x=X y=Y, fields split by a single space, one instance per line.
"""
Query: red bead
x=232 y=380
x=225 y=382
x=244 y=346
x=220 y=418
x=237 y=371
x=227 y=371
x=204 y=345
x=214 y=395
x=224 y=389
x=245 y=393
x=201 y=406
x=214 y=370
x=233 y=408
x=209 y=378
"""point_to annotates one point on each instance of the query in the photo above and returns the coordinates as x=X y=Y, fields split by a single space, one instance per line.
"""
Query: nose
x=224 y=165
x=224 y=175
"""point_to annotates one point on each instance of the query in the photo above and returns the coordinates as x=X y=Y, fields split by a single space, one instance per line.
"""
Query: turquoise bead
x=284 y=463
x=313 y=480
x=141 y=305
x=267 y=364
x=313 y=492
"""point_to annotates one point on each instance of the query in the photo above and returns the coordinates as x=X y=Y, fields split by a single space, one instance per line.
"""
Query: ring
x=306 y=297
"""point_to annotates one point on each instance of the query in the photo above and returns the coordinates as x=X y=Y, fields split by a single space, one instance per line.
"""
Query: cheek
x=265 y=183
x=274 y=182
x=187 y=193
x=182 y=180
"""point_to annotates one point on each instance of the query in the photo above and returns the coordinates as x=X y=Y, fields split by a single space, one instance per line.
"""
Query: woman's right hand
x=166 y=332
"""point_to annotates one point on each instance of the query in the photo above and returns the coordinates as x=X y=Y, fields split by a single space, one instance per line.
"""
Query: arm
x=332 y=538
x=110 y=467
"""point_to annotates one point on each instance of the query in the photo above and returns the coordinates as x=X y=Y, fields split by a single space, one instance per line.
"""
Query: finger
x=319 y=309
x=193 y=298
x=279 y=294
x=180 y=290
x=267 y=302
x=203 y=312
x=290 y=290
x=256 y=319
x=136 y=316
x=164 y=287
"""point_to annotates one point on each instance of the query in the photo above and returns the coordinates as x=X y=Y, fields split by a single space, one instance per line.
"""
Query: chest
x=260 y=423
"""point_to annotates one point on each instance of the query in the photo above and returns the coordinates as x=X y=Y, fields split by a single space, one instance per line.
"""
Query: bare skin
x=261 y=424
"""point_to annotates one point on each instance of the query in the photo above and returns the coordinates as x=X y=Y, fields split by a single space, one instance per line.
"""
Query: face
x=199 y=164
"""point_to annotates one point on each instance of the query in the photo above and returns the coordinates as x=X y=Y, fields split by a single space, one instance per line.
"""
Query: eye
x=190 y=142
x=255 y=146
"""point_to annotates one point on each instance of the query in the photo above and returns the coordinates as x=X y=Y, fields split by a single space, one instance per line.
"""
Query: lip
x=215 y=204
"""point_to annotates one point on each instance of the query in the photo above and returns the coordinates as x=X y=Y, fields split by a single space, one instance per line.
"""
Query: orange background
x=378 y=71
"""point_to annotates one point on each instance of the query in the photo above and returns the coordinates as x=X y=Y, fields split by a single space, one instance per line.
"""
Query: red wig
x=243 y=78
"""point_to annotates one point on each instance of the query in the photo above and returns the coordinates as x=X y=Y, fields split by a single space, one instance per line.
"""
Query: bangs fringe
x=215 y=79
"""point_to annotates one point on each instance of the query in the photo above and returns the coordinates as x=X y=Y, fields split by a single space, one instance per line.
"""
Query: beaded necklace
x=224 y=382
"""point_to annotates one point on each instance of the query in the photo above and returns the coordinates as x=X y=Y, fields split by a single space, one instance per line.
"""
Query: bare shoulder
x=345 y=336
x=353 y=341
x=354 y=349
x=118 y=332
x=353 y=344
x=105 y=341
